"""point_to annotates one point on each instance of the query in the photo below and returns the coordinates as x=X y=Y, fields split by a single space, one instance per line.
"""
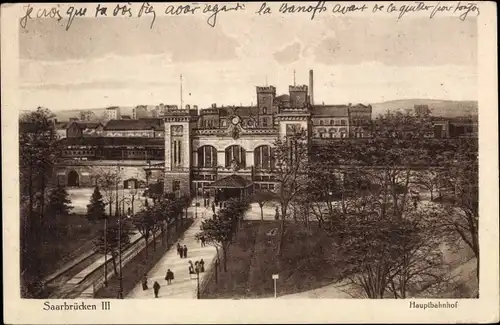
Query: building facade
x=221 y=141
x=113 y=113
x=189 y=150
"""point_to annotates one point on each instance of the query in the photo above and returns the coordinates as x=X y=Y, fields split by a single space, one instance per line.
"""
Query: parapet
x=180 y=112
x=266 y=89
x=297 y=88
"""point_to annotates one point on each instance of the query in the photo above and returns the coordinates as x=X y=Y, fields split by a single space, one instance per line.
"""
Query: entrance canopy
x=232 y=181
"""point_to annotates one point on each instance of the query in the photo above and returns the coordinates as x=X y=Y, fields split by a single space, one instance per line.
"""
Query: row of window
x=332 y=122
x=264 y=186
x=327 y=135
x=211 y=124
x=113 y=153
x=207 y=157
x=258 y=186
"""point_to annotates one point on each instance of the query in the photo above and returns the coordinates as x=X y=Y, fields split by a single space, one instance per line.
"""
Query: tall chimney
x=311 y=87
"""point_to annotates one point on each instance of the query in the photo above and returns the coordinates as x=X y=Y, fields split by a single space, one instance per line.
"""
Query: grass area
x=306 y=263
x=135 y=269
x=71 y=236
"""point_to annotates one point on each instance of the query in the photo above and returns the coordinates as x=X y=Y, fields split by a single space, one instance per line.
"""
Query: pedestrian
x=145 y=282
x=179 y=250
x=202 y=266
x=185 y=251
x=202 y=240
x=169 y=276
x=156 y=288
x=276 y=214
x=415 y=203
x=191 y=269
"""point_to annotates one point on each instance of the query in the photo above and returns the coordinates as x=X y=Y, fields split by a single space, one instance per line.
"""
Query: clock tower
x=298 y=96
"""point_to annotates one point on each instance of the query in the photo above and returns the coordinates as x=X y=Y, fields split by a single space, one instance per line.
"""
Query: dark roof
x=232 y=181
x=238 y=110
x=61 y=125
x=283 y=98
x=111 y=141
x=330 y=110
x=142 y=124
x=85 y=125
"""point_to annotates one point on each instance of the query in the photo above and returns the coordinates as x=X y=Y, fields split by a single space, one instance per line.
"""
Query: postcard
x=250 y=162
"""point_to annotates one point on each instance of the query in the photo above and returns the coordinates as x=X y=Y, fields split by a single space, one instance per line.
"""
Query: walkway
x=182 y=287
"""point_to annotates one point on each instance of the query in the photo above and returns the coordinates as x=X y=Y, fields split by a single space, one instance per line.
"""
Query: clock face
x=235 y=120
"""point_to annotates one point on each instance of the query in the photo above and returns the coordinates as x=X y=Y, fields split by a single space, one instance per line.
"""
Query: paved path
x=183 y=286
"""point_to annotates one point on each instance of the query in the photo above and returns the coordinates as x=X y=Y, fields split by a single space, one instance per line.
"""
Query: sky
x=116 y=61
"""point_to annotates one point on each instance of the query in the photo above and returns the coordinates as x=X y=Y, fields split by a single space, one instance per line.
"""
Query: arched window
x=73 y=179
x=263 y=157
x=236 y=154
x=207 y=156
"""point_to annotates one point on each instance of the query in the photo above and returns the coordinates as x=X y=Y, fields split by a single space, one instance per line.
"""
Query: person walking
x=156 y=288
x=202 y=240
x=191 y=269
x=202 y=266
x=179 y=250
x=185 y=251
x=145 y=282
x=169 y=276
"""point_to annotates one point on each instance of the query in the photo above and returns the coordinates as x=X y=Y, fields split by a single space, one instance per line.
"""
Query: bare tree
x=108 y=181
x=430 y=180
x=262 y=197
x=290 y=159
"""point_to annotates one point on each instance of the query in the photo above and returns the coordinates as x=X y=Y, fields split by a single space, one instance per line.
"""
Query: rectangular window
x=179 y=157
x=176 y=185
x=342 y=122
x=264 y=122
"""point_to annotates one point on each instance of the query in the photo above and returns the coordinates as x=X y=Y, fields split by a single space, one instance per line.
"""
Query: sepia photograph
x=250 y=151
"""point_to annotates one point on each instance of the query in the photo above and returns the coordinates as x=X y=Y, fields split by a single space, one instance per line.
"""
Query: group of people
x=156 y=286
x=182 y=251
x=198 y=267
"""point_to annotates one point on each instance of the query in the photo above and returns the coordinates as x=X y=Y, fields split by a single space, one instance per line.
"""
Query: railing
x=210 y=273
x=126 y=257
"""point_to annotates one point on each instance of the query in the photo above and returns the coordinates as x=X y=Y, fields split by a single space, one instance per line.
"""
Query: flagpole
x=182 y=103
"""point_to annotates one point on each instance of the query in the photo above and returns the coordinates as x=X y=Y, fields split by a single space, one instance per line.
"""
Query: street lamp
x=120 y=288
x=196 y=204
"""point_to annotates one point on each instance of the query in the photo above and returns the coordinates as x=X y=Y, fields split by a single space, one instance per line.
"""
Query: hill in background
x=442 y=108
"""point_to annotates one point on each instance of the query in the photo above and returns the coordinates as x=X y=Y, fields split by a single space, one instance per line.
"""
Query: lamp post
x=120 y=288
x=196 y=204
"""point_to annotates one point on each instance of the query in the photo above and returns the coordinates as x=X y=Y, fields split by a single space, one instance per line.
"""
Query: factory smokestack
x=311 y=87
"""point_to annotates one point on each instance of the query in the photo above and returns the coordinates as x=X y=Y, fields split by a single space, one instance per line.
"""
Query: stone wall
x=88 y=173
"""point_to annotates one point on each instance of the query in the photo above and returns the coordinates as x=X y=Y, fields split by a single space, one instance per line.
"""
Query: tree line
x=365 y=195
